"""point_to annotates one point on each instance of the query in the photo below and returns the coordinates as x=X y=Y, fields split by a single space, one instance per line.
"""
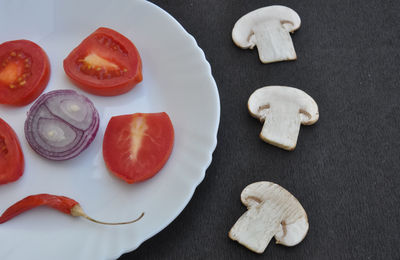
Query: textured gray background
x=345 y=169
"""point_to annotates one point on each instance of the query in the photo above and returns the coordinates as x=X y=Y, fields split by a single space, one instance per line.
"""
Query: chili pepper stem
x=77 y=211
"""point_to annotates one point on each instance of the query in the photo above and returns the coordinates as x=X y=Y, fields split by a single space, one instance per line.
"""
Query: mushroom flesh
x=272 y=211
x=282 y=109
x=269 y=28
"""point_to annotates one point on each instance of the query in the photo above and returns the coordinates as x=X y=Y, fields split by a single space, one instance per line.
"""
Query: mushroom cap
x=243 y=28
x=294 y=221
x=266 y=97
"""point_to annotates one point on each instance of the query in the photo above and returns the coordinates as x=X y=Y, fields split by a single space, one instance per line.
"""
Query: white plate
x=177 y=80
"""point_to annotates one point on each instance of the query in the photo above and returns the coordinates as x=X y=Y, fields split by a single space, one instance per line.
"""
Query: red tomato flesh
x=24 y=72
x=11 y=156
x=106 y=63
x=136 y=147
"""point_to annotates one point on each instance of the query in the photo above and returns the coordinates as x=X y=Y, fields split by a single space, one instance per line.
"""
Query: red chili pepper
x=60 y=203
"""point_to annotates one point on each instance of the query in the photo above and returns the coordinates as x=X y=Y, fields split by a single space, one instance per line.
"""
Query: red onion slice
x=61 y=124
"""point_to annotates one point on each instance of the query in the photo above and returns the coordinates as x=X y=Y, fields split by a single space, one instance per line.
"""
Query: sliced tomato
x=24 y=72
x=106 y=63
x=136 y=147
x=11 y=156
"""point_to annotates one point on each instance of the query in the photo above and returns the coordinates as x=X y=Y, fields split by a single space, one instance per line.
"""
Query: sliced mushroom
x=282 y=109
x=269 y=28
x=271 y=212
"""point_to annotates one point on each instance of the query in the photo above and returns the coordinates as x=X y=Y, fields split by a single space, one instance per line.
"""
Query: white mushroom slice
x=282 y=109
x=271 y=212
x=269 y=28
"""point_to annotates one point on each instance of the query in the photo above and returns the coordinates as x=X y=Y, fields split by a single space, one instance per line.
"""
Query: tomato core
x=15 y=69
x=101 y=68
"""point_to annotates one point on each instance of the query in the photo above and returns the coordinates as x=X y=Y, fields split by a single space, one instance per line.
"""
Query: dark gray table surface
x=345 y=169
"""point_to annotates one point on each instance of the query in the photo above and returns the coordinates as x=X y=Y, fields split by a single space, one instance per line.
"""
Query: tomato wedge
x=136 y=147
x=106 y=63
x=24 y=72
x=11 y=156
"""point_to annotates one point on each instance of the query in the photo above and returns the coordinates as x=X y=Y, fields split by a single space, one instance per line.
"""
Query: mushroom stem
x=274 y=42
x=257 y=226
x=281 y=126
x=77 y=211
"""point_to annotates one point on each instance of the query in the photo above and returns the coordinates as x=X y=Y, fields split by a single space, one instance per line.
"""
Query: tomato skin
x=11 y=156
x=153 y=134
x=36 y=83
x=130 y=59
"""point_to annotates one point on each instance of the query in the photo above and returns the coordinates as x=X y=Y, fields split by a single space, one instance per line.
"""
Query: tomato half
x=106 y=63
x=136 y=147
x=24 y=72
x=11 y=156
